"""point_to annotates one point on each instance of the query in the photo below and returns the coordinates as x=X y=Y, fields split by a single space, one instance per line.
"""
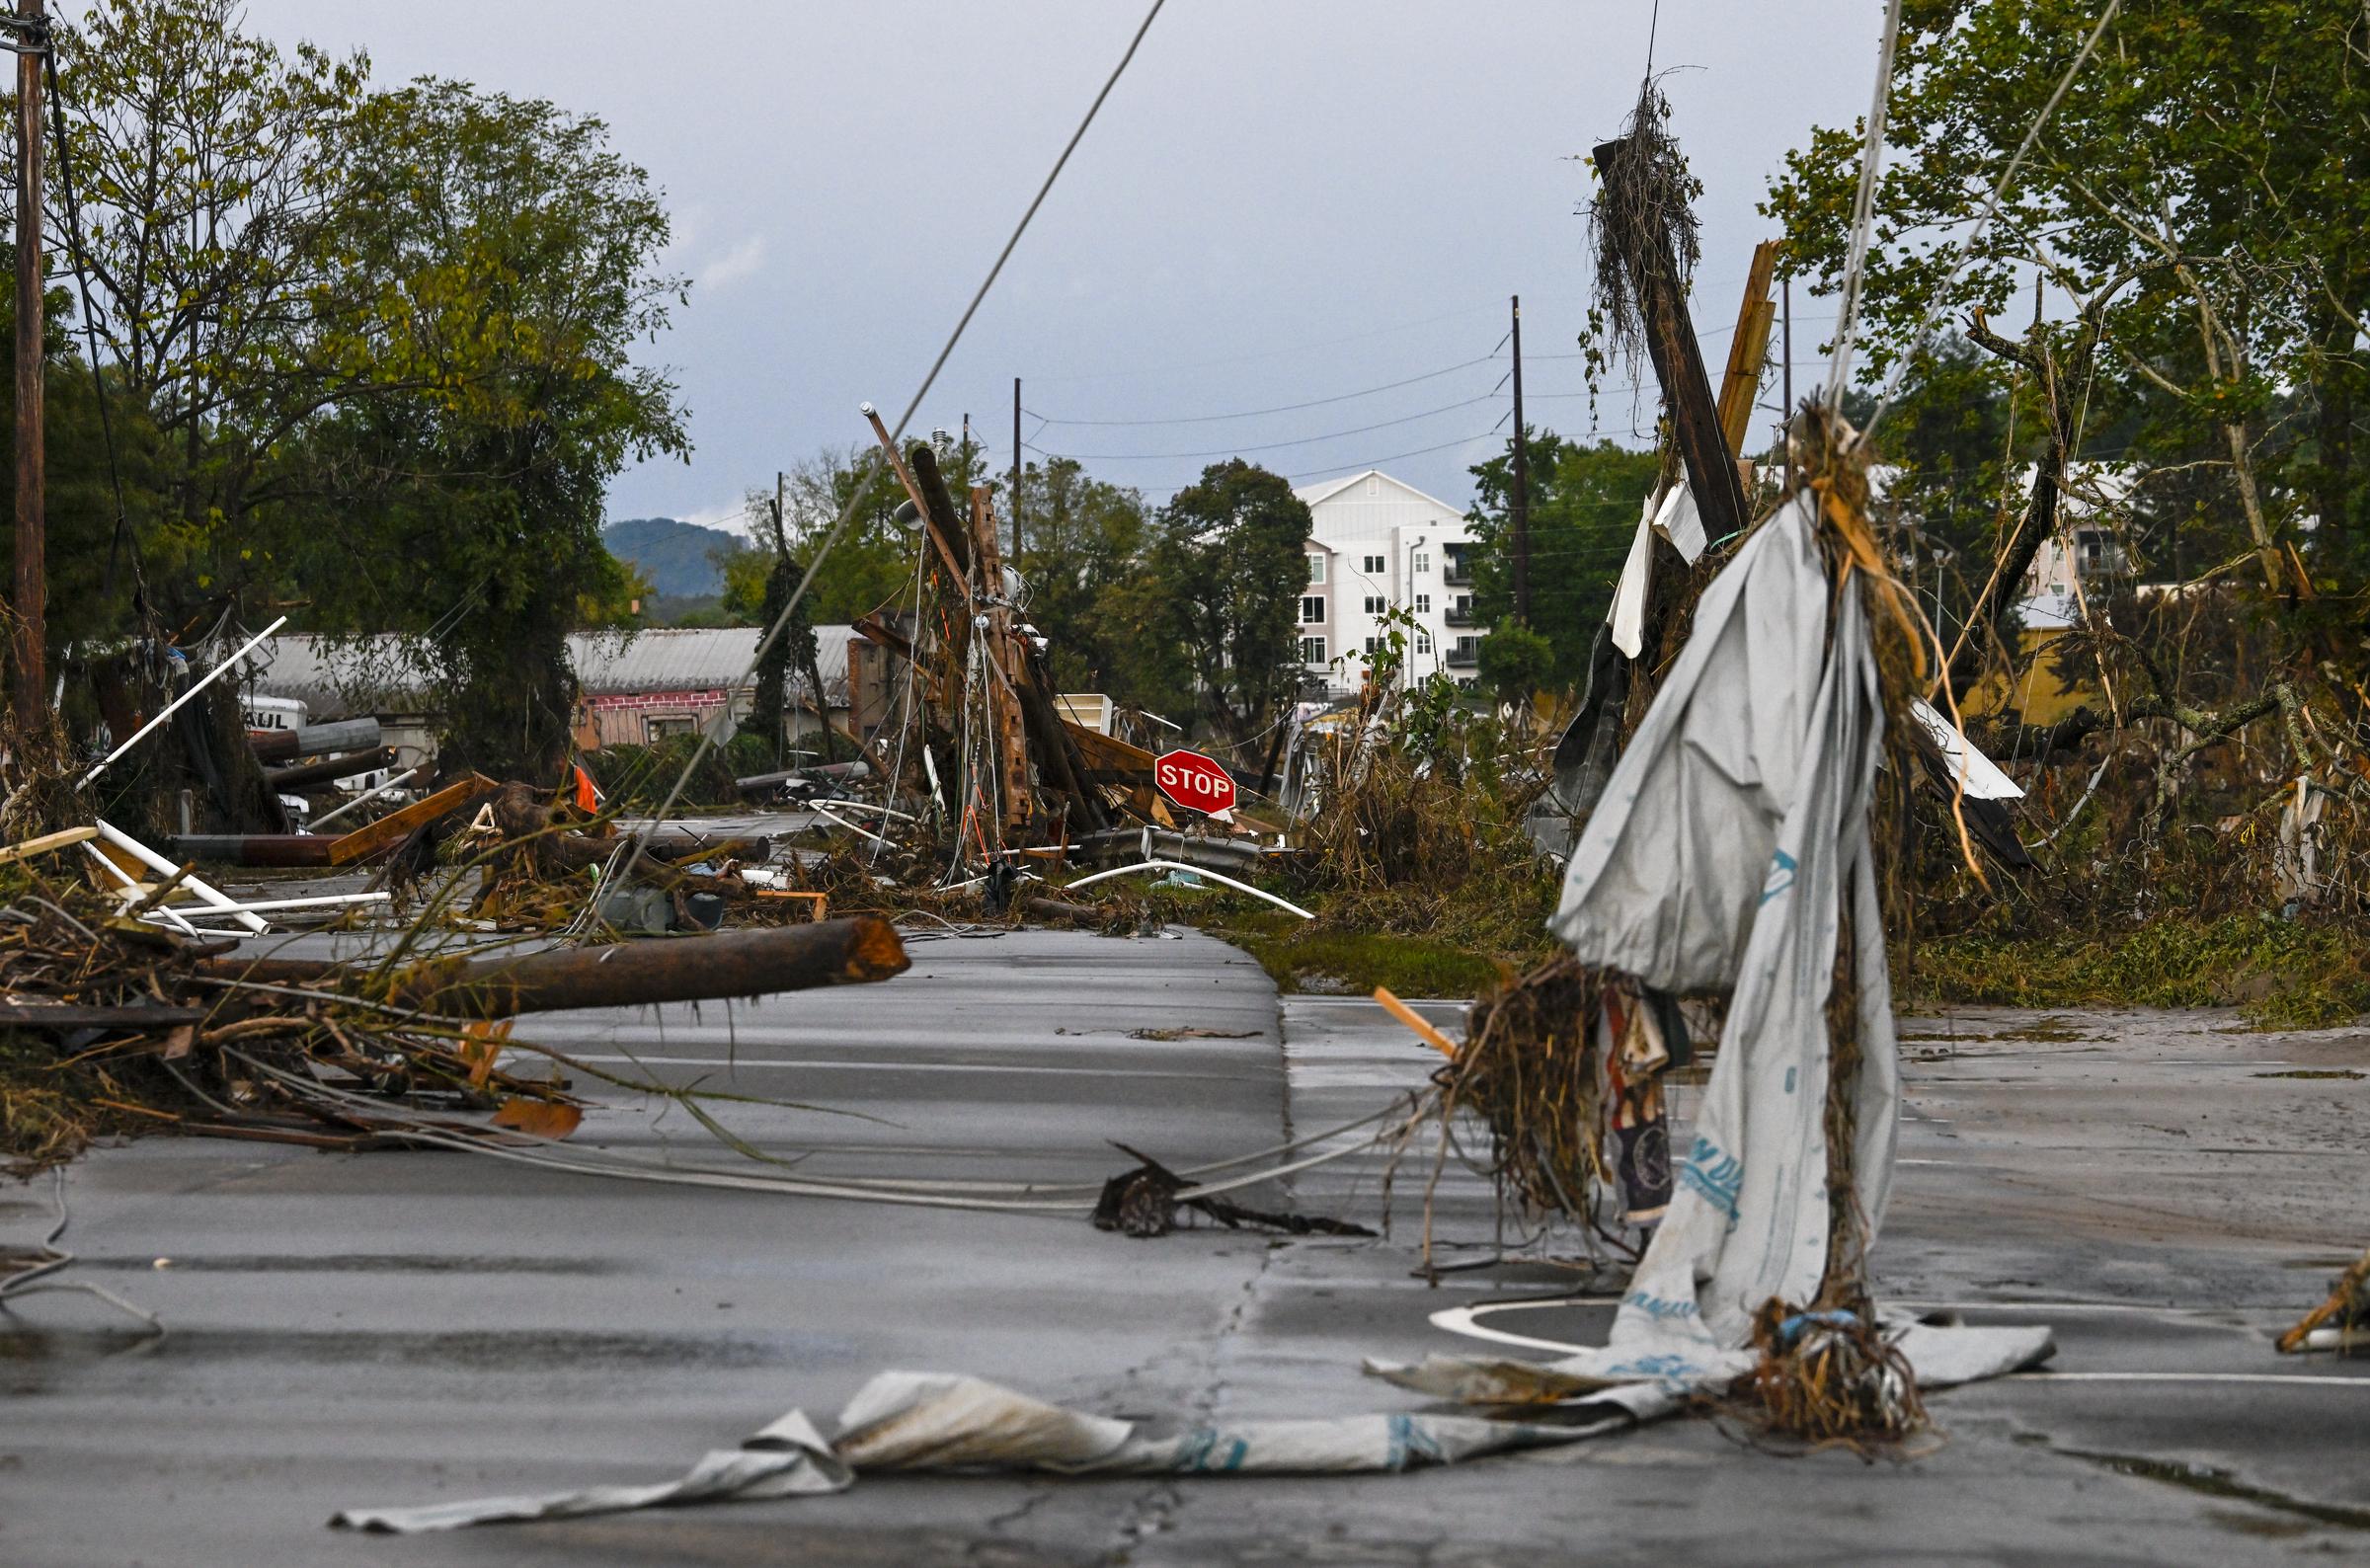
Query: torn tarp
x=938 y=1421
x=1718 y=859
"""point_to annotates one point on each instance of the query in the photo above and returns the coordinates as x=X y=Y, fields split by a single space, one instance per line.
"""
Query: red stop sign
x=1193 y=781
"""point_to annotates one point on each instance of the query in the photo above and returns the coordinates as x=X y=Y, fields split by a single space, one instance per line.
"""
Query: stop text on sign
x=1193 y=781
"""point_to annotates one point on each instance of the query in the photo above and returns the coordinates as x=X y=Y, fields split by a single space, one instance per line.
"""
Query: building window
x=1312 y=610
x=1423 y=641
x=1313 y=650
x=1376 y=565
x=1422 y=563
x=1374 y=604
x=1317 y=571
x=1423 y=604
x=1374 y=645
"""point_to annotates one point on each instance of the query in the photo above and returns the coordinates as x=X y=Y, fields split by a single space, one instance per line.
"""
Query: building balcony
x=1460 y=615
x=1464 y=653
x=1456 y=574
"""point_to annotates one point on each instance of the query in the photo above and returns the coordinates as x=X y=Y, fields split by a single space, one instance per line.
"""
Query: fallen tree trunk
x=854 y=951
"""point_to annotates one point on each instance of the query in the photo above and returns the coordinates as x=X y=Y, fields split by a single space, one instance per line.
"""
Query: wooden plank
x=1111 y=760
x=47 y=844
x=1747 y=347
x=392 y=828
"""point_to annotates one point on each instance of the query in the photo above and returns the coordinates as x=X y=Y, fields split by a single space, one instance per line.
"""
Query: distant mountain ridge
x=671 y=553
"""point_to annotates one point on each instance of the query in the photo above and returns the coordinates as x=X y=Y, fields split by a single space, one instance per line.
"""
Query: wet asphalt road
x=411 y=1327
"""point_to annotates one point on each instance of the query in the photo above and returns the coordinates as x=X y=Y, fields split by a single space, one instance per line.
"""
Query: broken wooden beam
x=397 y=825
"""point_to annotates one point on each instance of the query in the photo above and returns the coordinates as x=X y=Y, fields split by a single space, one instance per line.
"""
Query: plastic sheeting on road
x=936 y=1421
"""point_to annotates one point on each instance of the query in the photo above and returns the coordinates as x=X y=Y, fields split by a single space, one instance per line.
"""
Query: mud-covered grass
x=2285 y=974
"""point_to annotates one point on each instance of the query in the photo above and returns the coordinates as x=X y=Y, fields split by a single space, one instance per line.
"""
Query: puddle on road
x=2210 y=1482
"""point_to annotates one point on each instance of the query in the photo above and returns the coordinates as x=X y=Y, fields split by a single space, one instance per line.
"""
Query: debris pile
x=113 y=1024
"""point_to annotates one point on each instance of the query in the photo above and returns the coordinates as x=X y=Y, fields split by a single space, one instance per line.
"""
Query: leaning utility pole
x=1711 y=474
x=32 y=705
x=1016 y=473
x=1522 y=484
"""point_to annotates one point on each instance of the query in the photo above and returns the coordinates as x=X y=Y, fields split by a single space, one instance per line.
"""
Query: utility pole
x=1786 y=422
x=1016 y=473
x=31 y=704
x=1522 y=484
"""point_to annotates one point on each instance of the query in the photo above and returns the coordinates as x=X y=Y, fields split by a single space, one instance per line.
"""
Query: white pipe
x=866 y=806
x=397 y=782
x=204 y=681
x=1178 y=865
x=132 y=888
x=853 y=828
x=156 y=862
x=318 y=902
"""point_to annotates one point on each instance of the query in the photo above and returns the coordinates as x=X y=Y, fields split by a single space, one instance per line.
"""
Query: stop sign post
x=1193 y=781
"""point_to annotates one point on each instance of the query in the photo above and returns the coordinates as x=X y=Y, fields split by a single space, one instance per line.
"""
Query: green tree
x=2201 y=193
x=1516 y=661
x=1082 y=539
x=206 y=163
x=1222 y=589
x=499 y=263
x=1585 y=500
x=92 y=572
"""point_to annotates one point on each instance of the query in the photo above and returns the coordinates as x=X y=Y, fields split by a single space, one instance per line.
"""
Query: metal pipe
x=315 y=740
x=204 y=681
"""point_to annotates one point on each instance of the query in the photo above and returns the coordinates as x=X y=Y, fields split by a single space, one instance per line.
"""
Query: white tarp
x=1969 y=768
x=938 y=1421
x=1715 y=860
x=1673 y=514
x=1628 y=612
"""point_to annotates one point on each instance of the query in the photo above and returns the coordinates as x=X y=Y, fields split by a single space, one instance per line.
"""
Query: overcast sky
x=1283 y=201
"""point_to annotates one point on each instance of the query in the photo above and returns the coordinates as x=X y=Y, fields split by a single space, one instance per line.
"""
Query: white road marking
x=656 y=1059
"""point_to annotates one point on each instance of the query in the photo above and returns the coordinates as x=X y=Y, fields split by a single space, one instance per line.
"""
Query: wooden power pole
x=31 y=704
x=1677 y=364
x=1521 y=508
x=1016 y=473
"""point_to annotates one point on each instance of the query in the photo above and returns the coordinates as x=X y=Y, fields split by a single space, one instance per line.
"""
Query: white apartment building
x=1376 y=544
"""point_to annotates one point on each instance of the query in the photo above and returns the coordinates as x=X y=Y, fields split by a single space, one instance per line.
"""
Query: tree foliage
x=387 y=337
x=2200 y=193
x=1584 y=506
x=1221 y=587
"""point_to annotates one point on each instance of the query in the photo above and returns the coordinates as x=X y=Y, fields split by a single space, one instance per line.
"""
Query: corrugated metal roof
x=333 y=677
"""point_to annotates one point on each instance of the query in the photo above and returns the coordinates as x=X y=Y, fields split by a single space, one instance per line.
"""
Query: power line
x=1281 y=408
x=614 y=874
x=1313 y=473
x=1306 y=440
x=1272 y=354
